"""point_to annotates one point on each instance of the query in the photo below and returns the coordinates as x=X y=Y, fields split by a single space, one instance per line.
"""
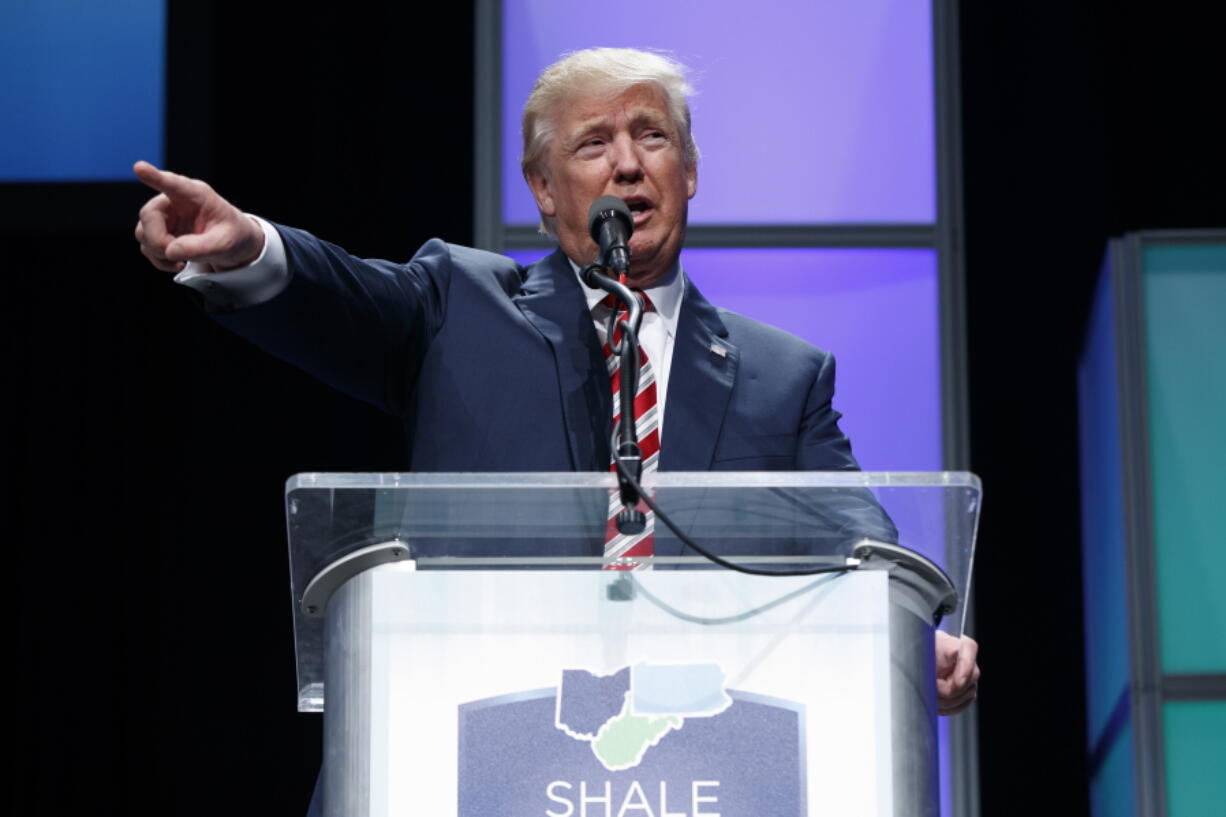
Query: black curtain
x=154 y=649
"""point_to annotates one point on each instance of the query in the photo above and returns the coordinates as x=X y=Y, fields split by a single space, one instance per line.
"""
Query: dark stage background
x=153 y=650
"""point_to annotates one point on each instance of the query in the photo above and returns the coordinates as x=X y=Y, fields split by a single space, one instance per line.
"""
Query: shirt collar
x=665 y=295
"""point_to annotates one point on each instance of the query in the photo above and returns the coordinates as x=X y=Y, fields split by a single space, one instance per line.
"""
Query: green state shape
x=623 y=741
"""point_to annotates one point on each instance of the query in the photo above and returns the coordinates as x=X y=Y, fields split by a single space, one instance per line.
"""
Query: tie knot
x=612 y=302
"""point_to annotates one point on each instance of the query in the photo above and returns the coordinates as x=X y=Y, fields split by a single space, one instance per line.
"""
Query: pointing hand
x=188 y=221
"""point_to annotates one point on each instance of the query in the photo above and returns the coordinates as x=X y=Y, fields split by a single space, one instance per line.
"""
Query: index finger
x=172 y=184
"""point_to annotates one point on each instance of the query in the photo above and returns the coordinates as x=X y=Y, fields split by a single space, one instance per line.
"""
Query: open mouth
x=639 y=208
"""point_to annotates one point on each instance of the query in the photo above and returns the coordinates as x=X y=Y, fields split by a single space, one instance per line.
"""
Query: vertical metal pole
x=1138 y=529
x=347 y=686
x=487 y=127
x=913 y=713
x=955 y=411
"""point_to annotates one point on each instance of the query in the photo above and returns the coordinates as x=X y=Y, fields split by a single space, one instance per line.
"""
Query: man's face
x=623 y=146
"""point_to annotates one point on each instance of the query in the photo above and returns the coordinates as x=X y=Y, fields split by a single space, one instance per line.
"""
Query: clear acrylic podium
x=476 y=660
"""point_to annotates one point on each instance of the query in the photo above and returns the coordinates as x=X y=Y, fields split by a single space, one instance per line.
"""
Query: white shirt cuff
x=261 y=280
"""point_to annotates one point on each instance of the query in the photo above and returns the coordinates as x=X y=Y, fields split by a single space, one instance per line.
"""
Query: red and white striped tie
x=620 y=551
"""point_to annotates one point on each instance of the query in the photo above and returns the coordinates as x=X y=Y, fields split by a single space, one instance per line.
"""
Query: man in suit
x=499 y=368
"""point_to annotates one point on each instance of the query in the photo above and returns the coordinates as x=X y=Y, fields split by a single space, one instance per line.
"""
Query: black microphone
x=610 y=224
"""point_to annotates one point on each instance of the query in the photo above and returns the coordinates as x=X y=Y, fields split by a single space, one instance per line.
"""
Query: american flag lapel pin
x=718 y=351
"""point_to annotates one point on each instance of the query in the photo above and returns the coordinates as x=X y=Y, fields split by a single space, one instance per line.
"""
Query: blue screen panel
x=1185 y=334
x=875 y=309
x=806 y=112
x=1194 y=742
x=1102 y=513
x=81 y=88
x=1113 y=790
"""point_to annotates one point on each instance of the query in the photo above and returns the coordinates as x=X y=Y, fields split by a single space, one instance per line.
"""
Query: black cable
x=722 y=562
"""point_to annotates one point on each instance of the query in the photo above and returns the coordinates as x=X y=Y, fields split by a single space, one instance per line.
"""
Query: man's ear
x=691 y=180
x=538 y=183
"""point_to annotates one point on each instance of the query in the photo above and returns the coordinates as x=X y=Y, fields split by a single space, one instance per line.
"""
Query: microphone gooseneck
x=610 y=225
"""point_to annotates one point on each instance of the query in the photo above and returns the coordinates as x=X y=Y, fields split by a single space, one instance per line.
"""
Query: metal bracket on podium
x=920 y=582
x=323 y=585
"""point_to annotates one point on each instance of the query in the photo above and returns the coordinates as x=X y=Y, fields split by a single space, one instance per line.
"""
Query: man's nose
x=627 y=165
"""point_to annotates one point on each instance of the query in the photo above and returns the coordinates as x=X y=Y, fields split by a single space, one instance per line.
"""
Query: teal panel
x=1113 y=791
x=1104 y=580
x=1195 y=741
x=1185 y=328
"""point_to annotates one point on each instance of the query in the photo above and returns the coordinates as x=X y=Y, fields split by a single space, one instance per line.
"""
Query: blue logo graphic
x=650 y=740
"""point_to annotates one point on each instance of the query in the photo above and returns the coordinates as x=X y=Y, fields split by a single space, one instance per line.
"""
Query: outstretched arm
x=359 y=325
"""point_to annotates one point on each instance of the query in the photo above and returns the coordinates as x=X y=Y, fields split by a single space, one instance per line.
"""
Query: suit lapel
x=553 y=302
x=700 y=382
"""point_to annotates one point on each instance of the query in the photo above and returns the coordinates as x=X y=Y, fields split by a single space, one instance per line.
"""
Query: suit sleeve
x=850 y=514
x=361 y=326
x=823 y=446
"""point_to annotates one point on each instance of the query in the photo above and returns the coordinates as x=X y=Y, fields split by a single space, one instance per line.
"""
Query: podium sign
x=475 y=661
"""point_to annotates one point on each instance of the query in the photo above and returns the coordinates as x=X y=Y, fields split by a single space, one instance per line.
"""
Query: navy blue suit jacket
x=497 y=367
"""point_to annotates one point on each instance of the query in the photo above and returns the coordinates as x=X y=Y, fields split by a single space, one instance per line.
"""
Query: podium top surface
x=534 y=521
x=600 y=479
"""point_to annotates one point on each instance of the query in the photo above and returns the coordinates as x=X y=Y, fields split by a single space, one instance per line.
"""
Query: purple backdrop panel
x=875 y=309
x=806 y=112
